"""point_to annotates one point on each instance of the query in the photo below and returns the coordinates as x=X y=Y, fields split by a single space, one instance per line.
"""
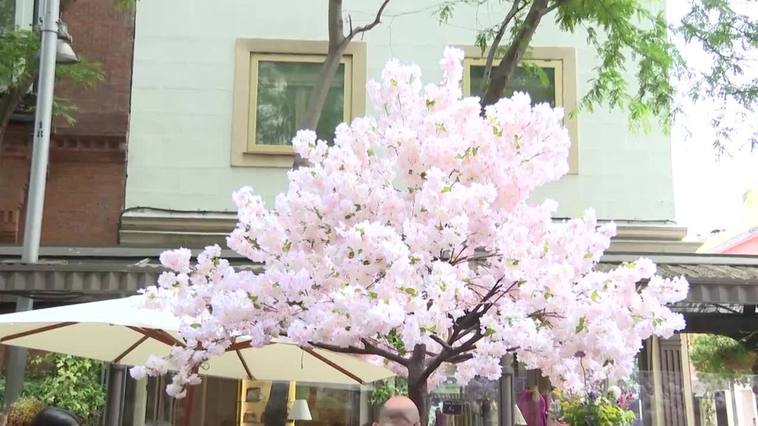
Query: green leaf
x=582 y=324
x=410 y=291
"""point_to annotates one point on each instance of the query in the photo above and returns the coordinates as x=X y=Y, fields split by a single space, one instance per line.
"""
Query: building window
x=17 y=14
x=541 y=79
x=280 y=90
x=7 y=15
x=547 y=74
x=273 y=81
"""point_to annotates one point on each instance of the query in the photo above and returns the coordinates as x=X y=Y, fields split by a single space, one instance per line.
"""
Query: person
x=54 y=416
x=399 y=411
x=533 y=406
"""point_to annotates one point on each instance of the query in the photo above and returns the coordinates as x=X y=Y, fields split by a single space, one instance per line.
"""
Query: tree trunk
x=503 y=74
x=321 y=88
x=418 y=390
x=317 y=98
x=419 y=394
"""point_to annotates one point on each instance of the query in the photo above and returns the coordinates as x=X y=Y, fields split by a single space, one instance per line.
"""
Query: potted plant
x=609 y=407
x=21 y=412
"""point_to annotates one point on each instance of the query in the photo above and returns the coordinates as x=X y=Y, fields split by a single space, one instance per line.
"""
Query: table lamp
x=299 y=411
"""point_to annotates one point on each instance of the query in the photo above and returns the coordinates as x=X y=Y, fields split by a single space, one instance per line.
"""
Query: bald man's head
x=399 y=411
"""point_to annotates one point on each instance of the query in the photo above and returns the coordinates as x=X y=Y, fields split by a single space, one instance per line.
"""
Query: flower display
x=411 y=240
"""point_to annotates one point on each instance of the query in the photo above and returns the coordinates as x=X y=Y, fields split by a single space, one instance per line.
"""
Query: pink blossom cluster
x=406 y=224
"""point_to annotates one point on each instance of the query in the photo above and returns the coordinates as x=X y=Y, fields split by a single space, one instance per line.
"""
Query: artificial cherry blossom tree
x=410 y=240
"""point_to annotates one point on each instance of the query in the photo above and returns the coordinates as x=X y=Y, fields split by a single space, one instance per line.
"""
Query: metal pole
x=140 y=403
x=42 y=120
x=38 y=174
x=14 y=373
x=115 y=394
x=507 y=400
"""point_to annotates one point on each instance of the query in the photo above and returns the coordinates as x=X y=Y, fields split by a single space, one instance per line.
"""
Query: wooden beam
x=332 y=364
x=10 y=337
x=128 y=350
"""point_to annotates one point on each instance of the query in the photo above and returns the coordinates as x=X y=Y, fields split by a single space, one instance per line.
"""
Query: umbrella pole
x=188 y=406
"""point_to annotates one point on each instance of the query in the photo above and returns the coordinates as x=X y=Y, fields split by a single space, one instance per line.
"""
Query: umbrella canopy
x=121 y=331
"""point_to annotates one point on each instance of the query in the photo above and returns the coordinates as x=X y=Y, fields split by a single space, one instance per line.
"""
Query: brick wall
x=86 y=175
x=84 y=194
x=103 y=34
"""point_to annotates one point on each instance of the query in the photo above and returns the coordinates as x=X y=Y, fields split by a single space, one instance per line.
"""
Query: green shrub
x=67 y=382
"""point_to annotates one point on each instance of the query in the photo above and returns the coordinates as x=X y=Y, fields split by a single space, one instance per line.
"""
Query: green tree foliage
x=67 y=382
x=628 y=35
x=19 y=51
x=388 y=388
x=726 y=38
x=721 y=359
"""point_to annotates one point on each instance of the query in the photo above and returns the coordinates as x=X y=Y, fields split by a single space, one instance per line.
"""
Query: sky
x=709 y=188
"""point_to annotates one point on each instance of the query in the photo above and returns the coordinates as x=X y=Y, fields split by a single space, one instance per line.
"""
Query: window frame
x=248 y=53
x=555 y=64
x=256 y=59
x=23 y=14
x=563 y=60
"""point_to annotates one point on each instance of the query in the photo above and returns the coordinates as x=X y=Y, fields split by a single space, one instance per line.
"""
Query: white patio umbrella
x=121 y=331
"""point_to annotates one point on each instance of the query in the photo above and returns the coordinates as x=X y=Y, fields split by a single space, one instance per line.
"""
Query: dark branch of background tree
x=628 y=33
x=338 y=42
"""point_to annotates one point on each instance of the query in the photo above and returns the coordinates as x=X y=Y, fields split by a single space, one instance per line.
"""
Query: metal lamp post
x=43 y=113
x=54 y=46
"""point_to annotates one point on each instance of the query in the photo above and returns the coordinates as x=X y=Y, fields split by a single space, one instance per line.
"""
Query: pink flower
x=177 y=260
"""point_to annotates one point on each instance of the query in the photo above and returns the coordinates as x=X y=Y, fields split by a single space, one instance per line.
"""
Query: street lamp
x=64 y=52
x=55 y=46
x=42 y=122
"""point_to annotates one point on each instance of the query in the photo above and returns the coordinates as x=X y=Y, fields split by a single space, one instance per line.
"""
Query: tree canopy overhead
x=637 y=33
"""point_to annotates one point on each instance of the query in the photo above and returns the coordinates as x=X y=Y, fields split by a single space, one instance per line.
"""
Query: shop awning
x=120 y=271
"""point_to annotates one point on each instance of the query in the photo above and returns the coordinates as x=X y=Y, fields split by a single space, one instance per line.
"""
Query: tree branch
x=336 y=32
x=446 y=355
x=445 y=345
x=368 y=349
x=555 y=5
x=363 y=28
x=515 y=9
x=337 y=45
x=503 y=74
x=460 y=358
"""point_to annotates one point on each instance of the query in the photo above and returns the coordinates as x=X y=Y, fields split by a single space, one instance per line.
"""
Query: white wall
x=180 y=131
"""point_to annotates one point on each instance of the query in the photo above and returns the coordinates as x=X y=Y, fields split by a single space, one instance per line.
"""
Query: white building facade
x=206 y=72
